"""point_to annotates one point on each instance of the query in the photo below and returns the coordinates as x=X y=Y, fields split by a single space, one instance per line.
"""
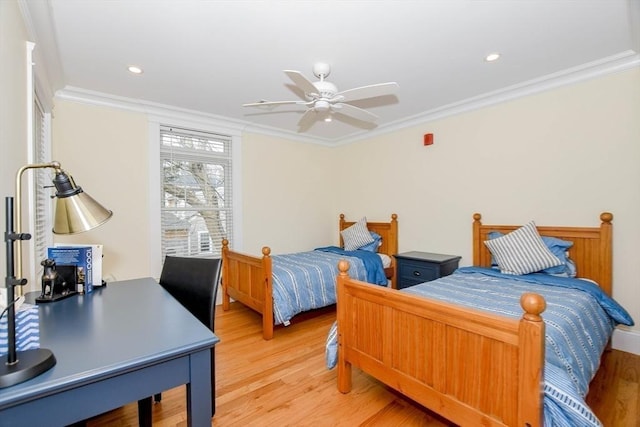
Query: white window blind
x=42 y=223
x=42 y=180
x=196 y=192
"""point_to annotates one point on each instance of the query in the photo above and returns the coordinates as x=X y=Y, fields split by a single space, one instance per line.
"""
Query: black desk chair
x=194 y=283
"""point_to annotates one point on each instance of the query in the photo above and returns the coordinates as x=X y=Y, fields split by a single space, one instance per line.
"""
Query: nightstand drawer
x=418 y=272
x=418 y=267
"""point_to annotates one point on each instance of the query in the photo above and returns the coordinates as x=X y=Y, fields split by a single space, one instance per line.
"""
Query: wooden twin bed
x=249 y=279
x=470 y=366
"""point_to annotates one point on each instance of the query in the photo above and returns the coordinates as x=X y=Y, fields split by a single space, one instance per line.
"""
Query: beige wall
x=560 y=157
x=13 y=105
x=288 y=191
x=287 y=187
x=106 y=152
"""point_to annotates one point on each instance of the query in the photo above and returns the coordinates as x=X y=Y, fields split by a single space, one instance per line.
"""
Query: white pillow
x=386 y=260
x=522 y=251
x=356 y=236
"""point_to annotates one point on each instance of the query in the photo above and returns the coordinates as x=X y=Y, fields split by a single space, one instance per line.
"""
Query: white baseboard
x=628 y=341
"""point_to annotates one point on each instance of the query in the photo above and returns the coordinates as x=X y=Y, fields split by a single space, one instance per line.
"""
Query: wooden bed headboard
x=591 y=250
x=387 y=230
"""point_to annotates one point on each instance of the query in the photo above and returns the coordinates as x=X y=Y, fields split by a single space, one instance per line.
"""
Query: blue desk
x=114 y=346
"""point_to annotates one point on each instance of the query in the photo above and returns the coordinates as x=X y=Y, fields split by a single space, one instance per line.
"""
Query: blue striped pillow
x=522 y=251
x=356 y=236
x=558 y=247
x=27 y=329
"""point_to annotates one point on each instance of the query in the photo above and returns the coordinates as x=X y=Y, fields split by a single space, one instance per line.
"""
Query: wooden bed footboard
x=471 y=367
x=249 y=280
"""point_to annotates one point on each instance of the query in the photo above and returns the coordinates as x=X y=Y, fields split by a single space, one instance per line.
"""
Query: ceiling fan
x=323 y=99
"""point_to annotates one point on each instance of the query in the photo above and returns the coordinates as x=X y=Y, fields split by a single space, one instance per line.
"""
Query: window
x=196 y=192
x=205 y=241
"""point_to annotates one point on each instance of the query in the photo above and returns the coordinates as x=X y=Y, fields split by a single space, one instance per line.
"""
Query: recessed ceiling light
x=135 y=70
x=492 y=57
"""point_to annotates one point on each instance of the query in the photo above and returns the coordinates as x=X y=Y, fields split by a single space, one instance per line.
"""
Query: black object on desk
x=419 y=267
x=58 y=282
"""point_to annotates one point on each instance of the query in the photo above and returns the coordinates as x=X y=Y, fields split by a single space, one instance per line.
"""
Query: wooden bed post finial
x=266 y=251
x=343 y=267
x=533 y=305
x=606 y=217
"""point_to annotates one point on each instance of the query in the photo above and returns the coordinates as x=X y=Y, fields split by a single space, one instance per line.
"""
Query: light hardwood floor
x=284 y=382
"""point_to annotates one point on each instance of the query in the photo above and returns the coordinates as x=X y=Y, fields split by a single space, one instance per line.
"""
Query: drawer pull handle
x=416 y=273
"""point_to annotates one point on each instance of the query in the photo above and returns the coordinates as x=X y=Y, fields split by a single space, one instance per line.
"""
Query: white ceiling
x=212 y=56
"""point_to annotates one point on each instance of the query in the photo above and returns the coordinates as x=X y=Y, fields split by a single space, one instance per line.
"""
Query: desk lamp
x=75 y=212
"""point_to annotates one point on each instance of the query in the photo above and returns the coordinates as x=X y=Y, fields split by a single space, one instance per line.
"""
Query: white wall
x=13 y=105
x=559 y=158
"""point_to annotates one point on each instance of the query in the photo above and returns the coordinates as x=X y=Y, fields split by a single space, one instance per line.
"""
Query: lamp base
x=30 y=364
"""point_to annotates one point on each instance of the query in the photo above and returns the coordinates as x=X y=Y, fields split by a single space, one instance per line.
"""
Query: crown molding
x=613 y=64
x=162 y=112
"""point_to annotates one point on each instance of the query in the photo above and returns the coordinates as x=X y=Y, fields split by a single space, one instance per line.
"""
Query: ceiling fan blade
x=301 y=81
x=267 y=103
x=355 y=112
x=308 y=118
x=370 y=91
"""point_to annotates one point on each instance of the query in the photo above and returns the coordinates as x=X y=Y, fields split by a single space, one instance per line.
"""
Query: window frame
x=190 y=205
x=198 y=123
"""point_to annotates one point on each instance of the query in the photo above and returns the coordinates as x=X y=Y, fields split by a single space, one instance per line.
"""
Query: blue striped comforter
x=307 y=280
x=579 y=321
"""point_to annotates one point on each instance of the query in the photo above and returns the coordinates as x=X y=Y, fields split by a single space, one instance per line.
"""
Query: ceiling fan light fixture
x=322 y=105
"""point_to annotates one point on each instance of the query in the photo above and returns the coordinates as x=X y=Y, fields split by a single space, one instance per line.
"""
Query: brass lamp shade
x=78 y=213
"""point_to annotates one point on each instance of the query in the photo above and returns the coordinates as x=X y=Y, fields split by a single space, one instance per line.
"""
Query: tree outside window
x=196 y=191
